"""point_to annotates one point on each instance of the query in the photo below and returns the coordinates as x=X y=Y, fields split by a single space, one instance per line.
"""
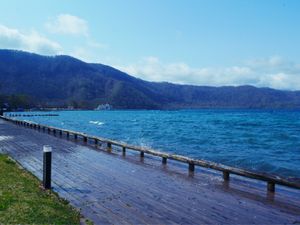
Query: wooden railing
x=226 y=170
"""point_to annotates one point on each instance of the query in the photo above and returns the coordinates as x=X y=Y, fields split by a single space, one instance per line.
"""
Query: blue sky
x=210 y=42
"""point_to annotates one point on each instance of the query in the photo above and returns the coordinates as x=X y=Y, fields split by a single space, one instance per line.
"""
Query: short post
x=109 y=146
x=191 y=167
x=96 y=141
x=49 y=130
x=226 y=175
x=271 y=186
x=68 y=134
x=164 y=160
x=47 y=157
x=84 y=139
x=142 y=154
x=60 y=132
x=123 y=150
x=75 y=136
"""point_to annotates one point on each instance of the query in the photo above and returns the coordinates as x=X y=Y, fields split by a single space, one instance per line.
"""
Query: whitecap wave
x=96 y=122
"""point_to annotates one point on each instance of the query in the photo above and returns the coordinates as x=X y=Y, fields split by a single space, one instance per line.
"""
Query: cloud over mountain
x=32 y=41
x=272 y=72
x=68 y=24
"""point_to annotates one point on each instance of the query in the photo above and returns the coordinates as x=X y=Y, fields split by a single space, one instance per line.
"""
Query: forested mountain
x=59 y=81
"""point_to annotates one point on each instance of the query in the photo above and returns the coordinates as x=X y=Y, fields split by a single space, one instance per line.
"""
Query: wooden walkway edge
x=271 y=180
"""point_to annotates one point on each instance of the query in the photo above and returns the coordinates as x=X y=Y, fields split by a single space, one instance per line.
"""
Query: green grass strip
x=22 y=201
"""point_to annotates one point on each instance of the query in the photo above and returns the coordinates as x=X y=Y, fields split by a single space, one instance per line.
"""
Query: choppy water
x=265 y=141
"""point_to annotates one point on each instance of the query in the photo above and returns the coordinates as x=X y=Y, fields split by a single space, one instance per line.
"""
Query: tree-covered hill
x=61 y=81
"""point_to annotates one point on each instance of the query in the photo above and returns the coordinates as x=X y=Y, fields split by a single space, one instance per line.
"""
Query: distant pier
x=30 y=115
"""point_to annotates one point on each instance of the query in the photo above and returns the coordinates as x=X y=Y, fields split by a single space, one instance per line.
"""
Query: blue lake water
x=265 y=141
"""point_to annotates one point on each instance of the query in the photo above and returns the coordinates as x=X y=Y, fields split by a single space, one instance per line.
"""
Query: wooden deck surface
x=114 y=189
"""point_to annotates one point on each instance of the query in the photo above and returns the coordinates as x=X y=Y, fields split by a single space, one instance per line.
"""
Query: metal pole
x=47 y=154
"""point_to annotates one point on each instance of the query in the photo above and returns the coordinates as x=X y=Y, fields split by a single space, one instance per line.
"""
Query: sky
x=199 y=42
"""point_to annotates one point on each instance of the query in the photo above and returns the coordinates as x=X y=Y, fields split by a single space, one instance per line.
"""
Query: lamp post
x=47 y=158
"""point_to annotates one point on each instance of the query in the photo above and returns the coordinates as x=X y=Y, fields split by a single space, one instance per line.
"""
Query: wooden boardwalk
x=114 y=189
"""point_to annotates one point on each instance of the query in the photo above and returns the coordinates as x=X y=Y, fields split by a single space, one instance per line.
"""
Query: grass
x=22 y=201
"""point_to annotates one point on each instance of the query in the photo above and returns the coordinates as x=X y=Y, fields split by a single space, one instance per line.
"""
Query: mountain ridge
x=61 y=81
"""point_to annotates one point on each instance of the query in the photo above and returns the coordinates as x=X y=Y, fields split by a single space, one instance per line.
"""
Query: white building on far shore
x=104 y=107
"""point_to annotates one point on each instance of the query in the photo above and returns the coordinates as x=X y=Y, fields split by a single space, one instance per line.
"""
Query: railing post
x=47 y=158
x=123 y=150
x=84 y=139
x=96 y=141
x=271 y=186
x=75 y=136
x=142 y=154
x=109 y=146
x=164 y=160
x=226 y=175
x=60 y=132
x=191 y=167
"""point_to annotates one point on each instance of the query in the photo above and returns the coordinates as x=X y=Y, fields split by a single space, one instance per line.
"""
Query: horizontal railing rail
x=271 y=180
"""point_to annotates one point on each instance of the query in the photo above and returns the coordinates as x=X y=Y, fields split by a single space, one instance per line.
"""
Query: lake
x=259 y=140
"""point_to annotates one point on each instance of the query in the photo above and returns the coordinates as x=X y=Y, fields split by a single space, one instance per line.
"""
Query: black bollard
x=47 y=154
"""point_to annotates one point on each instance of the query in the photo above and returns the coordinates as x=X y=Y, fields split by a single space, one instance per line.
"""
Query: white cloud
x=68 y=24
x=34 y=42
x=77 y=27
x=272 y=72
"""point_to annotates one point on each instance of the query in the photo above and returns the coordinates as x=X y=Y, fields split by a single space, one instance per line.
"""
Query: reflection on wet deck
x=114 y=189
